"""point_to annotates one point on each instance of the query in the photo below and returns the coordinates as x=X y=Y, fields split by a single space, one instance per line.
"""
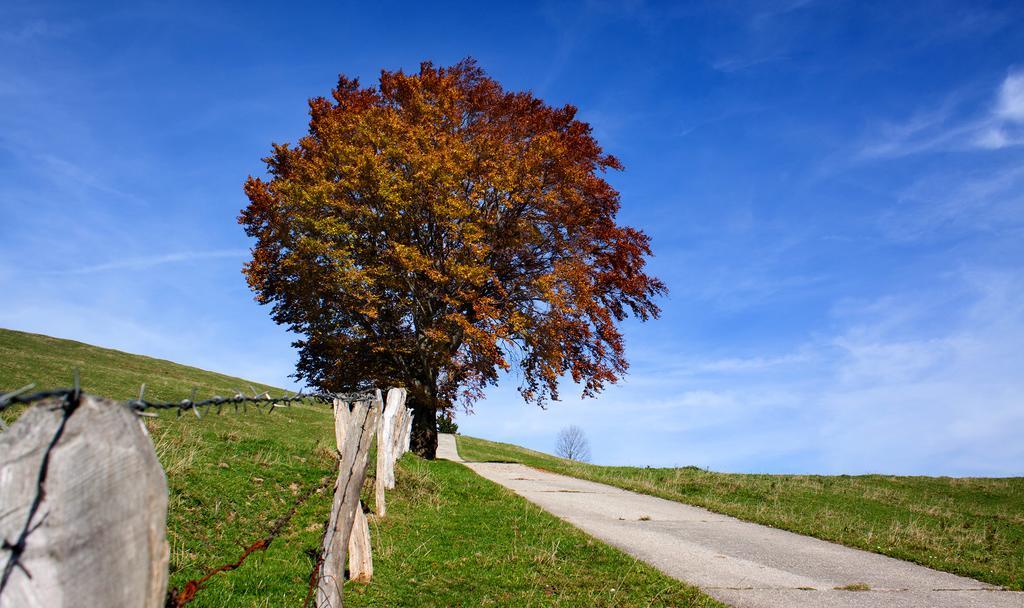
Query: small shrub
x=446 y=423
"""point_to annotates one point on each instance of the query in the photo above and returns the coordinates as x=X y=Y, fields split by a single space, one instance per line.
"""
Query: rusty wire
x=177 y=599
x=69 y=401
x=140 y=404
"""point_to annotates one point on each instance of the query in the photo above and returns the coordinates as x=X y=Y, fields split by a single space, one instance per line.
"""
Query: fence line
x=392 y=442
x=359 y=430
x=71 y=452
x=24 y=396
x=360 y=558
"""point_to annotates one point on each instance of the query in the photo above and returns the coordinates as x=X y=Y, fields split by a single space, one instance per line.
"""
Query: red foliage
x=436 y=229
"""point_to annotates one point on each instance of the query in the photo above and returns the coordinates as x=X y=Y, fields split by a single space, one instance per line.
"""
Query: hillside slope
x=968 y=526
x=49 y=362
x=230 y=476
x=451 y=538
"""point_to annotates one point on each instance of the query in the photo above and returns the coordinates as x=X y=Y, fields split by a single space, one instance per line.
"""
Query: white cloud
x=993 y=138
x=889 y=391
x=730 y=65
x=922 y=132
x=144 y=262
x=1010 y=105
x=751 y=364
x=939 y=129
x=1006 y=124
x=955 y=202
x=32 y=31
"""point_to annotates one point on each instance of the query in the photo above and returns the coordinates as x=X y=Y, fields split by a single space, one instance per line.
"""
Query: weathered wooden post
x=341 y=416
x=396 y=403
x=359 y=431
x=360 y=552
x=388 y=445
x=98 y=536
x=406 y=431
x=399 y=438
x=380 y=480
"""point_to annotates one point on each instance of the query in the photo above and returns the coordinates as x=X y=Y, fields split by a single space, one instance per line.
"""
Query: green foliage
x=968 y=526
x=446 y=423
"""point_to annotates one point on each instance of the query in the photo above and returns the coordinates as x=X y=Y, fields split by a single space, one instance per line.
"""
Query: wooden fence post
x=362 y=421
x=388 y=446
x=360 y=551
x=98 y=537
x=341 y=416
x=399 y=438
x=408 y=429
x=380 y=506
x=396 y=403
x=406 y=432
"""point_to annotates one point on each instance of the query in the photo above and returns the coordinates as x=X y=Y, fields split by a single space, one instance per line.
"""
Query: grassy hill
x=968 y=526
x=451 y=538
x=229 y=476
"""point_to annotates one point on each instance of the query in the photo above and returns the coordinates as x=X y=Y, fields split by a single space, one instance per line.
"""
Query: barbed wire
x=178 y=598
x=70 y=398
x=23 y=396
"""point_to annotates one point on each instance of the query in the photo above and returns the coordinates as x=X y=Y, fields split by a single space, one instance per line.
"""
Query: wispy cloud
x=1001 y=125
x=957 y=203
x=922 y=132
x=889 y=390
x=75 y=177
x=30 y=31
x=731 y=65
x=751 y=364
x=1006 y=124
x=1011 y=98
x=772 y=10
x=770 y=30
x=146 y=262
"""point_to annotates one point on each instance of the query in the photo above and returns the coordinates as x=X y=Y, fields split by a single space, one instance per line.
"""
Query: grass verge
x=452 y=538
x=968 y=526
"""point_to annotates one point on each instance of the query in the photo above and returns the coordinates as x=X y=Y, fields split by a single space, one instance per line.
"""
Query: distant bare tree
x=572 y=444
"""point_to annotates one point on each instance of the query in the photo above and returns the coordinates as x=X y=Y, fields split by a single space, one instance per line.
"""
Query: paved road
x=446 y=447
x=742 y=564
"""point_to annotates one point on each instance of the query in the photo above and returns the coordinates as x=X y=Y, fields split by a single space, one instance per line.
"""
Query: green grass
x=49 y=363
x=230 y=476
x=968 y=526
x=451 y=538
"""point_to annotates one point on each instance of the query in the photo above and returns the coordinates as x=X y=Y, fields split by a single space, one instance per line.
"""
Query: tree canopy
x=436 y=229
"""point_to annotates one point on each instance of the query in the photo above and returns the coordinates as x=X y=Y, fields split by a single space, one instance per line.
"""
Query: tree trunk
x=424 y=429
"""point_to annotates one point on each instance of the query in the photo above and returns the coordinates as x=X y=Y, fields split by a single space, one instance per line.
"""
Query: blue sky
x=835 y=191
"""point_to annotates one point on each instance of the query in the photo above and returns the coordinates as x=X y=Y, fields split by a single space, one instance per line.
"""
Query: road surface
x=739 y=563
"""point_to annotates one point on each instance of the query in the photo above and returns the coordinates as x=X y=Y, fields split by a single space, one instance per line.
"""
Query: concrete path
x=447 y=448
x=739 y=563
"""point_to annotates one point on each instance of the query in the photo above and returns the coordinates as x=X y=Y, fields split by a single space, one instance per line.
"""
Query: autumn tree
x=436 y=229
